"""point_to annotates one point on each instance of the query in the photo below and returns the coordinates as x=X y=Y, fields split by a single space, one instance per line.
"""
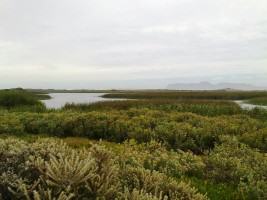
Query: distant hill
x=210 y=86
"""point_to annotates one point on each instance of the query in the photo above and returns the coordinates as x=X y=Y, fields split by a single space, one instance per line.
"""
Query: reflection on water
x=248 y=106
x=58 y=100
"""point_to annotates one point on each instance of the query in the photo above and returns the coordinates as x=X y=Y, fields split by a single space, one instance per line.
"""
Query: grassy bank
x=258 y=101
x=211 y=95
x=21 y=100
x=202 y=107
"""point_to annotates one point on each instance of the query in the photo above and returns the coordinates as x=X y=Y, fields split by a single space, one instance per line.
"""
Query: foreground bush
x=49 y=169
x=154 y=156
x=159 y=184
x=235 y=163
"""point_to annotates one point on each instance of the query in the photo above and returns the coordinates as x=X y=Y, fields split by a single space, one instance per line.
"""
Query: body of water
x=58 y=100
x=248 y=106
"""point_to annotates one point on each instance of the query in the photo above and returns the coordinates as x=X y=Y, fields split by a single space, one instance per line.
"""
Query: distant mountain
x=210 y=86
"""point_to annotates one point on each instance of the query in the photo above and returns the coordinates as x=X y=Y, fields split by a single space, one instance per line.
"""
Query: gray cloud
x=59 y=43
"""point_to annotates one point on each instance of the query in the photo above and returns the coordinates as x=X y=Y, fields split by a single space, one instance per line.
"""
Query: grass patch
x=258 y=101
x=215 y=95
x=215 y=191
x=20 y=100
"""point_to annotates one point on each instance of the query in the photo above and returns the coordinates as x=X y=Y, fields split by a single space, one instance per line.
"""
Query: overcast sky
x=131 y=43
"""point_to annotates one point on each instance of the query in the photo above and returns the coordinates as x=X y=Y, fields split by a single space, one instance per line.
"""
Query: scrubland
x=154 y=148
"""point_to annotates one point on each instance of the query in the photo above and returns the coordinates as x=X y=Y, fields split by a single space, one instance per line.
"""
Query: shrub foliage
x=49 y=169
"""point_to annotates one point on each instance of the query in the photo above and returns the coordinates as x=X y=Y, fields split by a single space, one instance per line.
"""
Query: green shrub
x=141 y=195
x=49 y=169
x=254 y=189
x=12 y=98
x=235 y=163
x=257 y=139
x=185 y=131
x=154 y=156
x=159 y=184
x=10 y=124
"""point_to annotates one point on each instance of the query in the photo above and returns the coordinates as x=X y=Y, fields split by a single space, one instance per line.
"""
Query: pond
x=58 y=100
x=248 y=106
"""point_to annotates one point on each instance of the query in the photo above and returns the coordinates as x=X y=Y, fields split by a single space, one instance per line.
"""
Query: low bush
x=235 y=163
x=185 y=131
x=49 y=169
x=202 y=107
x=257 y=139
x=154 y=156
x=160 y=185
x=13 y=98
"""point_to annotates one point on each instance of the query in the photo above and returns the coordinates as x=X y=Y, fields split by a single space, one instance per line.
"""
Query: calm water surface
x=248 y=106
x=58 y=100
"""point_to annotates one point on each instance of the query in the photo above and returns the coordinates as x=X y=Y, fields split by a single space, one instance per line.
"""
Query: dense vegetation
x=20 y=98
x=222 y=95
x=258 y=101
x=49 y=169
x=149 y=149
x=203 y=107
